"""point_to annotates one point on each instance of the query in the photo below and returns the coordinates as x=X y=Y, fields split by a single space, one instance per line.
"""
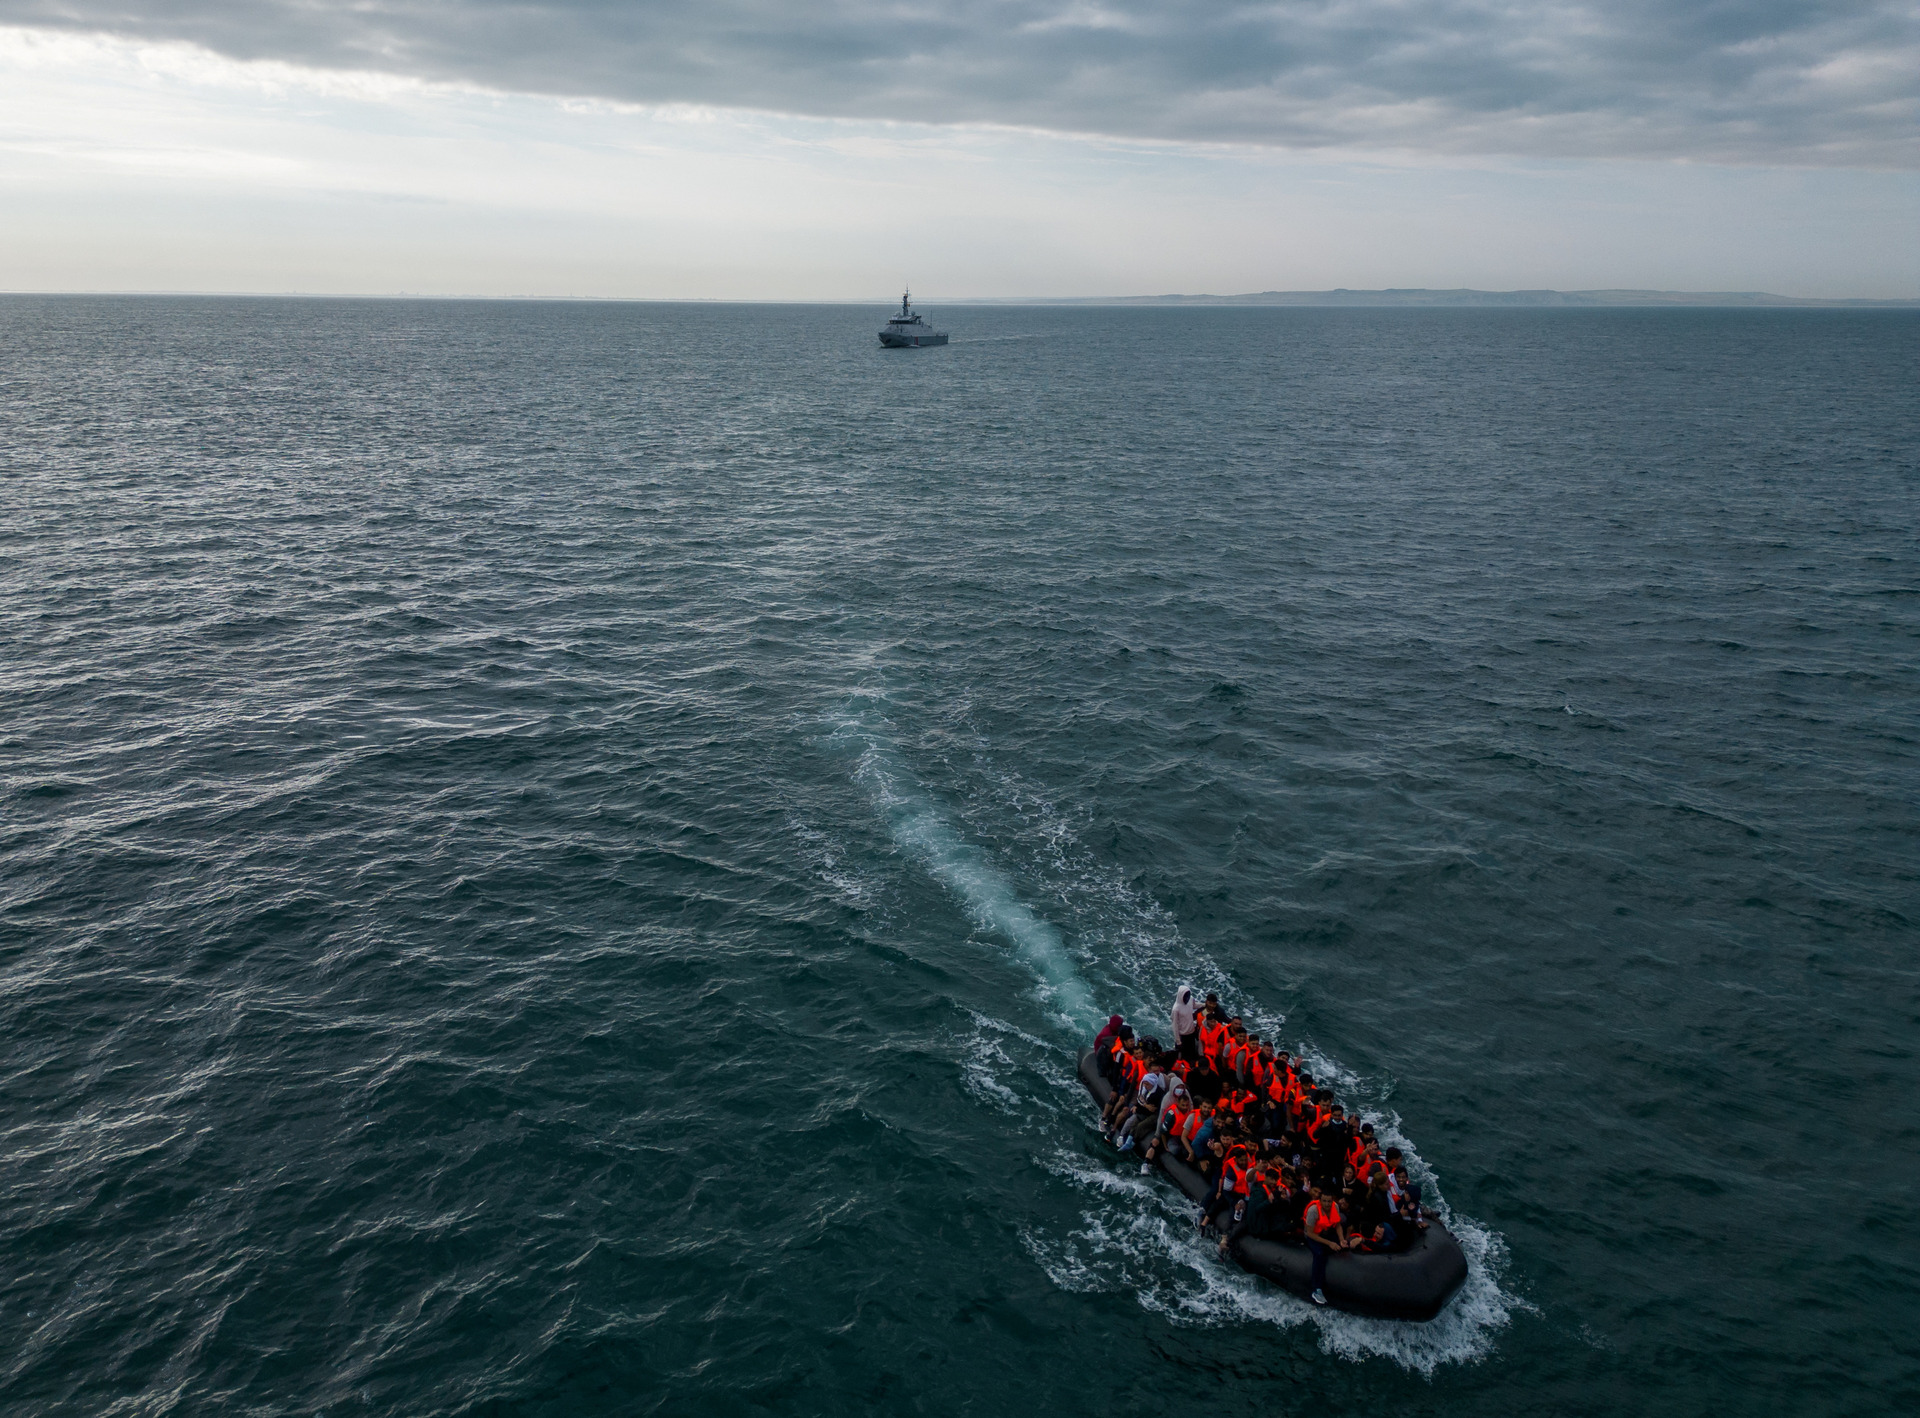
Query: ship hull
x=910 y=342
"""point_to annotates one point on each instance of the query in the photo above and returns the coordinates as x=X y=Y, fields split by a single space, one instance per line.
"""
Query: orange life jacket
x=1210 y=1038
x=1181 y=1067
x=1234 y=1167
x=1326 y=1216
x=1356 y=1152
x=1321 y=1112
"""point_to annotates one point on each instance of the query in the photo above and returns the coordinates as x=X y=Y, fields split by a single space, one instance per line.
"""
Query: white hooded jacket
x=1184 y=1013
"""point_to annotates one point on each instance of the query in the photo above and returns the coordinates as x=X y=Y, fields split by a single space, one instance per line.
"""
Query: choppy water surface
x=554 y=857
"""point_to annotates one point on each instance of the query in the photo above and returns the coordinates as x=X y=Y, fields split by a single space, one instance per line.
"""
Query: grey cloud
x=1815 y=81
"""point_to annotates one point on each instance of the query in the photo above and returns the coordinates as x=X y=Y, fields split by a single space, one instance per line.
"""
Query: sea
x=555 y=857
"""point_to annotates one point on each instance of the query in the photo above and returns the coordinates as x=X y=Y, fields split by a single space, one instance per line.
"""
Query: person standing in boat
x=1186 y=1026
x=1326 y=1233
x=1103 y=1045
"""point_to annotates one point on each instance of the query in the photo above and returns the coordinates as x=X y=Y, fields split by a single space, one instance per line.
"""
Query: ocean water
x=554 y=857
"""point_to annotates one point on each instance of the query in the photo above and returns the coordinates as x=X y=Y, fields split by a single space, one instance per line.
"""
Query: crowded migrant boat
x=1287 y=1184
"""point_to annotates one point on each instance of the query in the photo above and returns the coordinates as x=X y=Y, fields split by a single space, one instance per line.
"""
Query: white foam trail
x=990 y=899
x=918 y=825
x=1136 y=933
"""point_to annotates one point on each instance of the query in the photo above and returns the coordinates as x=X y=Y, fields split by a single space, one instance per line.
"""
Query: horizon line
x=1385 y=297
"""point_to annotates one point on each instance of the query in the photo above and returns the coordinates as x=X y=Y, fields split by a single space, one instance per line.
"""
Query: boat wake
x=1134 y=1234
x=916 y=823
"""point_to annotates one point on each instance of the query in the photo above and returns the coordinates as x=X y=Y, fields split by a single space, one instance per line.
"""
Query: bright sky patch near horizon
x=834 y=150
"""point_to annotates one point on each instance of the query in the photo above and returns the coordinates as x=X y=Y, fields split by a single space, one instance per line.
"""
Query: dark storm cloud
x=1816 y=81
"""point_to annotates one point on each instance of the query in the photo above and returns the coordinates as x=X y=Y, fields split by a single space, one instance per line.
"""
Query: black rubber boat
x=1413 y=1285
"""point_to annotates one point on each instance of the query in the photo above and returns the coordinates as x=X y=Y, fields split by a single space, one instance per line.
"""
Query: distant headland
x=1421 y=297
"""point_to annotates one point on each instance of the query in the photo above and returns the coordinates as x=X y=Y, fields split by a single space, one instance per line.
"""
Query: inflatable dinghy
x=1414 y=1284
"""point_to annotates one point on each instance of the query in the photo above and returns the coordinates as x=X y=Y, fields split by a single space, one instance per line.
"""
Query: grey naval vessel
x=908 y=331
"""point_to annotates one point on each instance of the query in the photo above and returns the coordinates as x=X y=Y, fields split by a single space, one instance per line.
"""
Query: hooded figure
x=1186 y=1026
x=1113 y=1027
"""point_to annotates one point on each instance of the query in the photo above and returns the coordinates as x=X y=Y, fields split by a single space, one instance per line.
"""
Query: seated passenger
x=1204 y=1134
x=1130 y=1068
x=1253 y=1216
x=1175 y=1107
x=1194 y=1134
x=1141 y=1116
x=1293 y=1204
x=1229 y=1185
x=1413 y=1216
x=1373 y=1219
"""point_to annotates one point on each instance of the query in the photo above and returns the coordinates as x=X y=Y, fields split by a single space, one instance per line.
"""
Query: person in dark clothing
x=1103 y=1055
x=1373 y=1218
x=1331 y=1146
x=1255 y=1215
x=1291 y=1206
x=1412 y=1219
x=1272 y=1127
x=1204 y=1082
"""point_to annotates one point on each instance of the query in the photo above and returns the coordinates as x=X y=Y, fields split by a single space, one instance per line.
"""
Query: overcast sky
x=829 y=148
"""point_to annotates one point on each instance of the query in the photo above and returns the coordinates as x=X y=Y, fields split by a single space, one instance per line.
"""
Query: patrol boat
x=907 y=331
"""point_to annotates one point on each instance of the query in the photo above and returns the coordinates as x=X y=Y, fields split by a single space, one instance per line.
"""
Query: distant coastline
x=1467 y=297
